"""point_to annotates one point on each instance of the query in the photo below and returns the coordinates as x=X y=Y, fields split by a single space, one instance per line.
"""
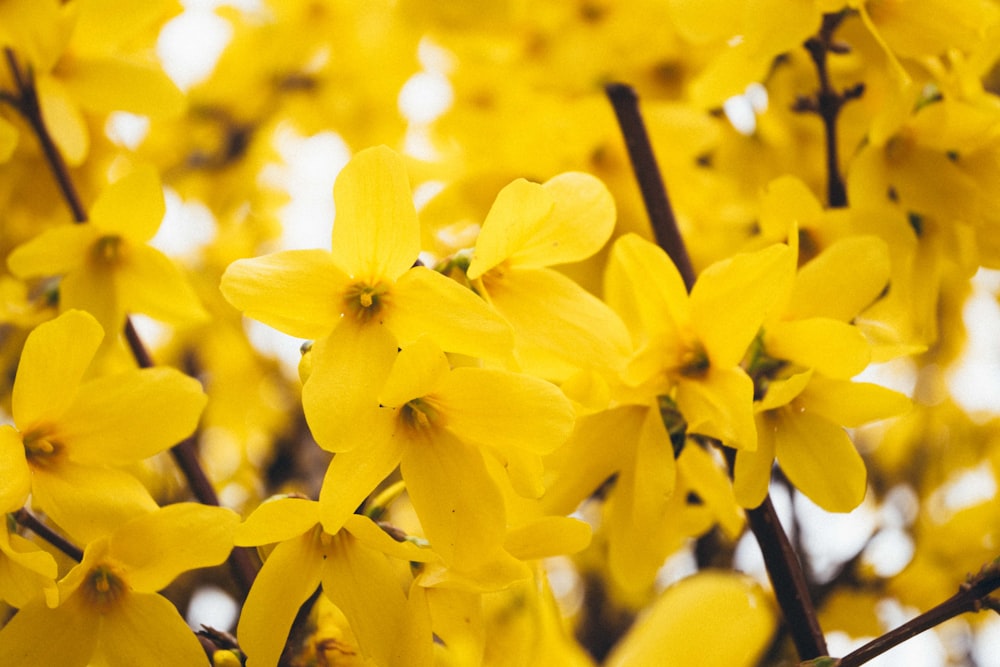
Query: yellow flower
x=109 y=611
x=446 y=429
x=558 y=326
x=69 y=434
x=25 y=569
x=354 y=563
x=363 y=299
x=108 y=268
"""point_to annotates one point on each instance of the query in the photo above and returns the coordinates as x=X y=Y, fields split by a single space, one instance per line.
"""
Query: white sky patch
x=213 y=607
x=832 y=538
x=974 y=381
x=126 y=129
x=190 y=44
x=964 y=489
x=742 y=110
x=273 y=343
x=187 y=227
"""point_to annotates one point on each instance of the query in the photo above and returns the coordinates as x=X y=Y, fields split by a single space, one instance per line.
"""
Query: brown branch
x=26 y=102
x=972 y=596
x=31 y=522
x=647 y=173
x=782 y=564
x=828 y=102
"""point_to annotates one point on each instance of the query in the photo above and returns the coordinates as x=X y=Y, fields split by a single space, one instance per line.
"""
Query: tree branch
x=783 y=566
x=31 y=522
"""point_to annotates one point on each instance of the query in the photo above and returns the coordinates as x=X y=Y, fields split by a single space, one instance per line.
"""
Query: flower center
x=365 y=301
x=104 y=586
x=694 y=362
x=419 y=415
x=40 y=449
x=108 y=249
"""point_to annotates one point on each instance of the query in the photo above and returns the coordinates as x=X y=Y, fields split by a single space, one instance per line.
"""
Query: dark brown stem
x=788 y=581
x=783 y=565
x=973 y=595
x=827 y=104
x=26 y=103
x=647 y=173
x=31 y=522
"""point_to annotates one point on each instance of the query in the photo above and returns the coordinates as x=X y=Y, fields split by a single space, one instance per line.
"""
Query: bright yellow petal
x=548 y=536
x=824 y=289
x=376 y=235
x=146 y=631
x=88 y=501
x=277 y=520
x=720 y=405
x=92 y=287
x=123 y=418
x=63 y=119
x=682 y=626
x=55 y=357
x=8 y=139
x=644 y=286
x=53 y=252
x=15 y=483
x=781 y=392
x=731 y=299
x=295 y=291
x=26 y=571
x=558 y=326
x=353 y=475
x=371 y=535
x=103 y=85
x=703 y=473
x=504 y=410
x=819 y=458
x=365 y=585
x=752 y=472
x=518 y=214
x=417 y=371
x=459 y=505
x=132 y=207
x=340 y=398
x=831 y=347
x=37 y=635
x=289 y=576
x=150 y=283
x=579 y=225
x=159 y=546
x=425 y=303
x=852 y=403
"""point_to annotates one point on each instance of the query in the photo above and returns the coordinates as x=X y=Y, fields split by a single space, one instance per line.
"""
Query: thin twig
x=31 y=522
x=972 y=596
x=828 y=102
x=783 y=565
x=647 y=173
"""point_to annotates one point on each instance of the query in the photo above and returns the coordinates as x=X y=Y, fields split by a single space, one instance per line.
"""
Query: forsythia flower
x=68 y=434
x=25 y=569
x=558 y=326
x=353 y=563
x=109 y=611
x=107 y=267
x=439 y=425
x=363 y=298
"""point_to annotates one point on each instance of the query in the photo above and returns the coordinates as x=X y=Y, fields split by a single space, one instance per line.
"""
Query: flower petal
x=372 y=536
x=548 y=536
x=720 y=405
x=159 y=546
x=731 y=299
x=824 y=289
x=146 y=631
x=55 y=357
x=89 y=501
x=115 y=84
x=645 y=288
x=820 y=460
x=340 y=398
x=559 y=327
x=15 y=482
x=365 y=585
x=852 y=403
x=288 y=577
x=37 y=635
x=752 y=472
x=504 y=410
x=831 y=347
x=53 y=252
x=150 y=283
x=295 y=291
x=459 y=505
x=425 y=303
x=132 y=207
x=277 y=520
x=418 y=369
x=122 y=418
x=376 y=235
x=515 y=220
x=353 y=475
x=26 y=570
